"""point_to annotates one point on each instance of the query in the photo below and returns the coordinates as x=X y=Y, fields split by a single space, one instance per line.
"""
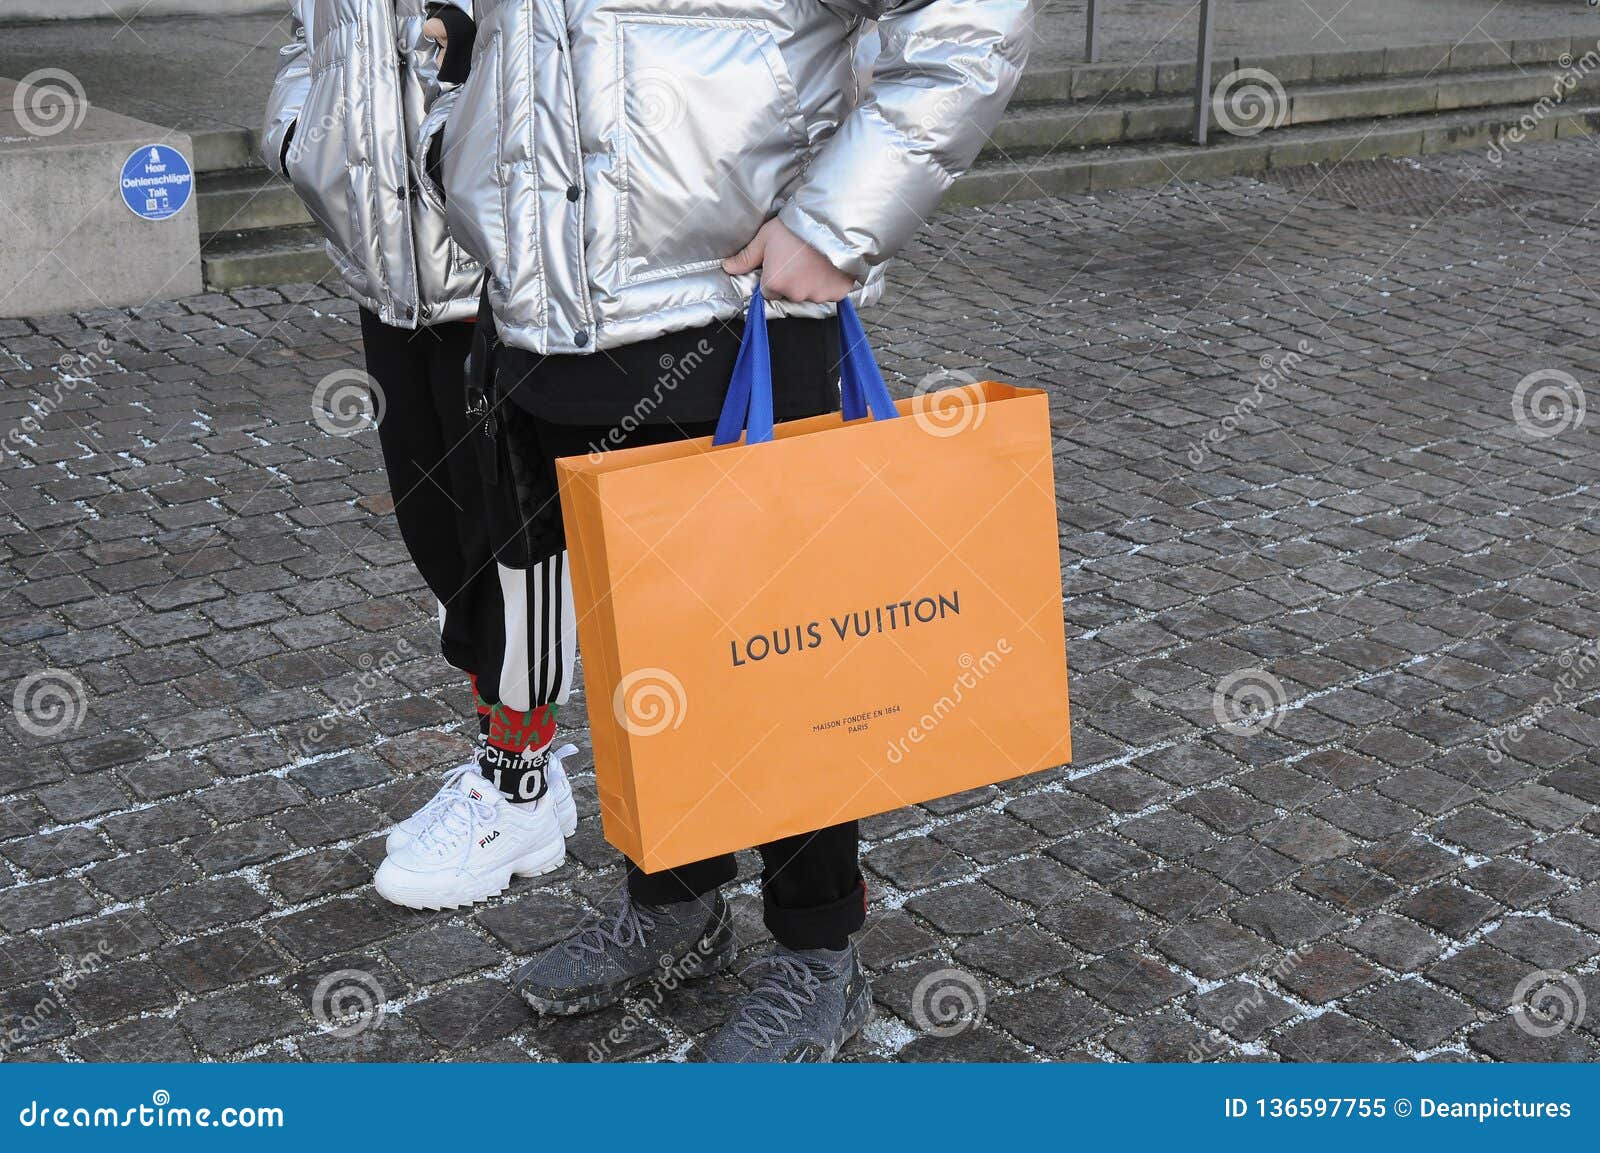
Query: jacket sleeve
x=288 y=90
x=944 y=74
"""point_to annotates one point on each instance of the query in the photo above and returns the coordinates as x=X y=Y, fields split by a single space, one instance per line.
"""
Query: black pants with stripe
x=812 y=891
x=508 y=627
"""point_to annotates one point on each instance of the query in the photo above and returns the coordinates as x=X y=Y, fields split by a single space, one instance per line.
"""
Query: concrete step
x=223 y=149
x=257 y=232
x=295 y=253
x=246 y=200
x=1176 y=77
x=220 y=148
x=1034 y=126
x=1062 y=172
x=1049 y=109
x=272 y=256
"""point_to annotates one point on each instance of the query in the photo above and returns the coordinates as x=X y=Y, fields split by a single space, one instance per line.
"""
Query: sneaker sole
x=580 y=1003
x=535 y=864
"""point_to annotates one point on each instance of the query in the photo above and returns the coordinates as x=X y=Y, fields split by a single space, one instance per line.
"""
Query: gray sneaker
x=627 y=945
x=802 y=1006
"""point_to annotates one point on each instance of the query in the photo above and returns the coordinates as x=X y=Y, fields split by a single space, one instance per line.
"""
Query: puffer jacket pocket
x=708 y=137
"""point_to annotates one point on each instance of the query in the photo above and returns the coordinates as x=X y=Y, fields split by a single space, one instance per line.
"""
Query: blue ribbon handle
x=748 y=408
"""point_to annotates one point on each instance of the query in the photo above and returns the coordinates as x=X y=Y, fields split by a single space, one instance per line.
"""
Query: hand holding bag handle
x=749 y=404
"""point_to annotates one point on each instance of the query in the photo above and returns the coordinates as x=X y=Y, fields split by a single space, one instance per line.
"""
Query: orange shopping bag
x=837 y=617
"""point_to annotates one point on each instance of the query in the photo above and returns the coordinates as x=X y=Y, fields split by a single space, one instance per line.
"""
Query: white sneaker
x=561 y=789
x=406 y=831
x=466 y=775
x=475 y=842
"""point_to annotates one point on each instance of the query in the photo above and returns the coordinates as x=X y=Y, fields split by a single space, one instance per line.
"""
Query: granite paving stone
x=1370 y=528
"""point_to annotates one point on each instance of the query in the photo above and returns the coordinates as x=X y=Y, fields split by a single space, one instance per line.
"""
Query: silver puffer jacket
x=355 y=86
x=606 y=156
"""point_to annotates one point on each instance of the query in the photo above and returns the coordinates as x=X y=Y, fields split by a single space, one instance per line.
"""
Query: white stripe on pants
x=541 y=635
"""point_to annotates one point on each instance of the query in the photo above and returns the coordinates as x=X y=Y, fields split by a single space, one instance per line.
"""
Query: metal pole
x=1091 y=44
x=1202 y=76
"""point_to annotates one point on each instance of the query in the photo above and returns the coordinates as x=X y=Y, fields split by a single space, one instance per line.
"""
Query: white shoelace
x=455 y=821
x=451 y=786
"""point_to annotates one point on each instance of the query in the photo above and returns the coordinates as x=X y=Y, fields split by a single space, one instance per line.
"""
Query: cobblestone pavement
x=1331 y=606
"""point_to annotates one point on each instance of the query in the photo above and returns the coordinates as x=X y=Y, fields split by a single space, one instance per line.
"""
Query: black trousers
x=439 y=500
x=812 y=891
x=812 y=894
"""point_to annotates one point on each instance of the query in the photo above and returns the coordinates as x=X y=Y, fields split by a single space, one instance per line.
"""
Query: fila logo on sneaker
x=490 y=837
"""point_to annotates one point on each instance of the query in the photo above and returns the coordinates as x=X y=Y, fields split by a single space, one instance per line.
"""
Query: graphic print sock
x=513 y=746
